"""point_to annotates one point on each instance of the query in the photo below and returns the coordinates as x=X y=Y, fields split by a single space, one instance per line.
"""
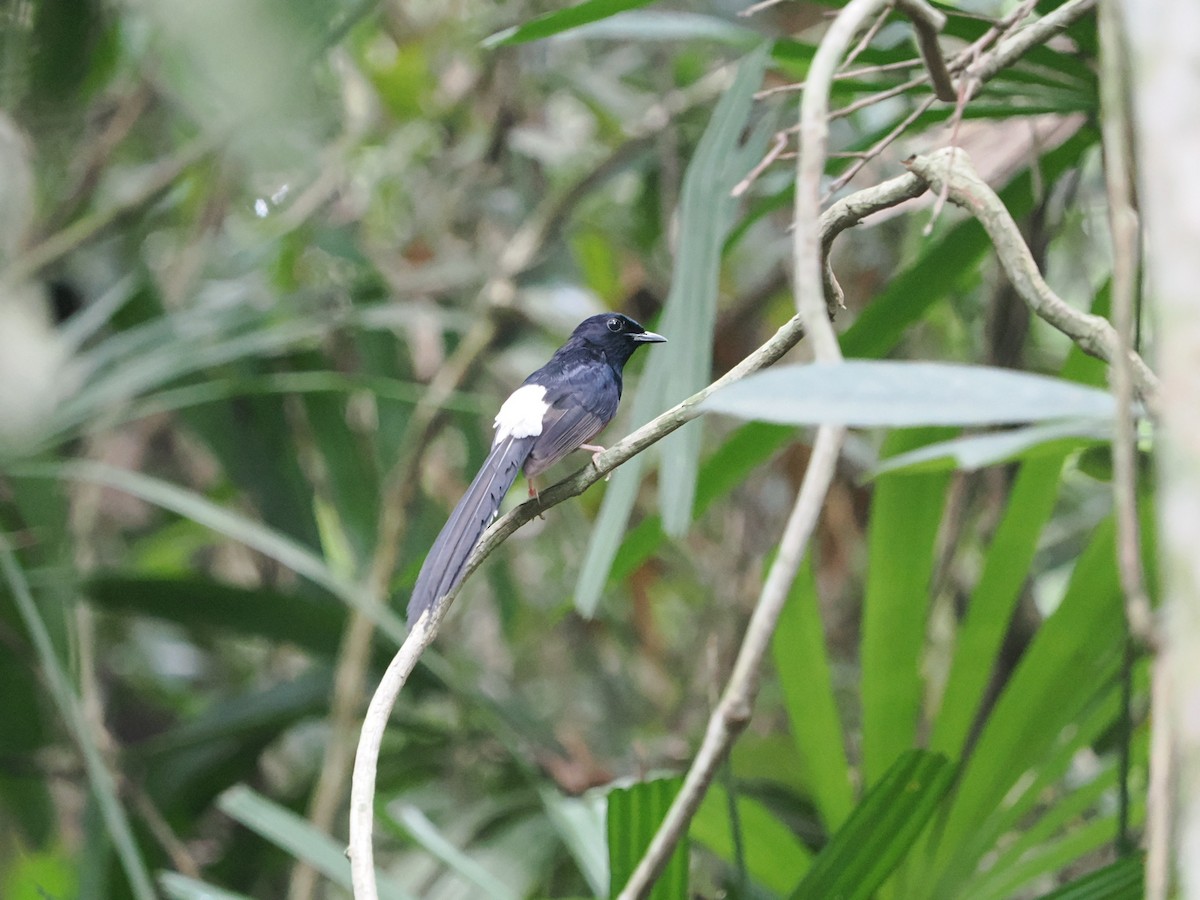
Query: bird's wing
x=443 y=566
x=581 y=402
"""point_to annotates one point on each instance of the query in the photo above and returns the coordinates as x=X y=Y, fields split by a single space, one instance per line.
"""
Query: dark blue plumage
x=558 y=409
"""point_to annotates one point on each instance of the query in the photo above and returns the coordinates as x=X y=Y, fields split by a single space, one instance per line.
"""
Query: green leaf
x=425 y=833
x=774 y=856
x=978 y=451
x=1078 y=650
x=297 y=836
x=1120 y=880
x=634 y=814
x=798 y=648
x=906 y=512
x=880 y=831
x=180 y=887
x=668 y=25
x=579 y=821
x=1005 y=569
x=38 y=875
x=683 y=365
x=561 y=20
x=874 y=393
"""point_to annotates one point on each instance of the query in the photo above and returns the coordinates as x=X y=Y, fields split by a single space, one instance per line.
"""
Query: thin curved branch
x=927 y=22
x=842 y=215
x=950 y=170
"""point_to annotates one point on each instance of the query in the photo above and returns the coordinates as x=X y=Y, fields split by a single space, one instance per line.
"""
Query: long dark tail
x=444 y=565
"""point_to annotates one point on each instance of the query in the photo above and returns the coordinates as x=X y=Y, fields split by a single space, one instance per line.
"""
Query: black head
x=617 y=335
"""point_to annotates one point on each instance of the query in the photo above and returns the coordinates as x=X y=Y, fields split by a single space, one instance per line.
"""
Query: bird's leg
x=596 y=450
x=533 y=495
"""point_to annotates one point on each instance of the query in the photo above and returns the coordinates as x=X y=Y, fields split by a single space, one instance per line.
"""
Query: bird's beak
x=649 y=337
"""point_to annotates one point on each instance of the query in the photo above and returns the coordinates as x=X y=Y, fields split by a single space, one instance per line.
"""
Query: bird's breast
x=522 y=414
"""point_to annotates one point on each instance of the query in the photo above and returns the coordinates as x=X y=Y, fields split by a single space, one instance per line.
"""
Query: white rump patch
x=521 y=415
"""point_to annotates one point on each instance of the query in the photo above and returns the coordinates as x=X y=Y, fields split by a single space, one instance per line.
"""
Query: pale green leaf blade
x=881 y=829
x=560 y=20
x=906 y=512
x=798 y=648
x=297 y=836
x=874 y=393
x=774 y=856
x=425 y=833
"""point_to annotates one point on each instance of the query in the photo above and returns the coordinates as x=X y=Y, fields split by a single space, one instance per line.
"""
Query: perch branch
x=951 y=170
x=842 y=215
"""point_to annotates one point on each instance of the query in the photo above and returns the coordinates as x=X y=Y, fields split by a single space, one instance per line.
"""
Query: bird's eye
x=614 y=325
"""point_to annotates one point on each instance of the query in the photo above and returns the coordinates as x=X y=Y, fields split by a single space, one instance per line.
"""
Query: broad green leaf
x=798 y=648
x=774 y=856
x=297 y=836
x=874 y=393
x=1120 y=880
x=906 y=512
x=978 y=451
x=880 y=830
x=425 y=833
x=634 y=814
x=561 y=20
x=682 y=365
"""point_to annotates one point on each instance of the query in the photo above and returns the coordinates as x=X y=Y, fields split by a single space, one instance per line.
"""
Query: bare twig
x=776 y=149
x=869 y=35
x=879 y=146
x=839 y=217
x=1123 y=223
x=1093 y=334
x=798 y=86
x=928 y=22
x=1020 y=42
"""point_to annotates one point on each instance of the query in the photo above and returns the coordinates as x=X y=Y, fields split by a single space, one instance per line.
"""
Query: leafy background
x=298 y=254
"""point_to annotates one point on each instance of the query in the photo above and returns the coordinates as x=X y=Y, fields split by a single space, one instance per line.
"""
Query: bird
x=558 y=409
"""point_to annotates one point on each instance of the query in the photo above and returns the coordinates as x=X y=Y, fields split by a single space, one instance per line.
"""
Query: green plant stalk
x=104 y=786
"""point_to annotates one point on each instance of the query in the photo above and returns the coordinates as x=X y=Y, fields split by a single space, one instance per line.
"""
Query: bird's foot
x=533 y=495
x=596 y=450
